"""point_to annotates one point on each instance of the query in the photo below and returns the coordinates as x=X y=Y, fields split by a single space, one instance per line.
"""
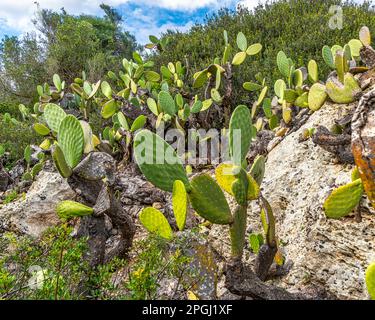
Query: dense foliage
x=68 y=45
x=277 y=26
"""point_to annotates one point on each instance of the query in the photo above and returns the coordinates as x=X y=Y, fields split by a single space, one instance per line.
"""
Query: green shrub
x=14 y=137
x=52 y=267
x=298 y=27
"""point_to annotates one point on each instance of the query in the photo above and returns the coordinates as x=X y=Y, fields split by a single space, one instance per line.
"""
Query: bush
x=52 y=268
x=298 y=27
x=15 y=136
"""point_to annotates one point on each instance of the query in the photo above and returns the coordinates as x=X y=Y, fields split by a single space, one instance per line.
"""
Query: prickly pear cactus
x=240 y=134
x=209 y=201
x=60 y=162
x=225 y=177
x=71 y=209
x=240 y=187
x=167 y=103
x=179 y=203
x=343 y=200
x=53 y=114
x=71 y=140
x=238 y=231
x=343 y=92
x=258 y=169
x=370 y=280
x=317 y=96
x=158 y=161
x=155 y=222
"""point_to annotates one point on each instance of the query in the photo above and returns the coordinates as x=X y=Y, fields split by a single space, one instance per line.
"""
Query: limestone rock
x=36 y=212
x=298 y=179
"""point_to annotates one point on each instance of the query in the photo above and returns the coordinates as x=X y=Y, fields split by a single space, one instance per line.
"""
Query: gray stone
x=33 y=214
x=334 y=253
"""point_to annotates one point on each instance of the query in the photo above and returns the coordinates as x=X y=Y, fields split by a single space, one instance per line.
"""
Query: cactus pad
x=225 y=178
x=283 y=64
x=158 y=161
x=179 y=202
x=238 y=231
x=343 y=93
x=71 y=140
x=313 y=71
x=328 y=57
x=41 y=129
x=167 y=103
x=60 y=162
x=370 y=280
x=209 y=201
x=343 y=200
x=240 y=134
x=258 y=169
x=71 y=209
x=88 y=137
x=365 y=36
x=154 y=221
x=53 y=114
x=317 y=96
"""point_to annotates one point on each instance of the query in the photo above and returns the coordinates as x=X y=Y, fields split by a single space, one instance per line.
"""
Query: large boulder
x=299 y=177
x=34 y=213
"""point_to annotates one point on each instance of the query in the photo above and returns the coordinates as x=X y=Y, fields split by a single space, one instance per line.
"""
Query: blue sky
x=142 y=17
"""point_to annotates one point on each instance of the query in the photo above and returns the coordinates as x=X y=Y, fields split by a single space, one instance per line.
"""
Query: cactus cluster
x=202 y=192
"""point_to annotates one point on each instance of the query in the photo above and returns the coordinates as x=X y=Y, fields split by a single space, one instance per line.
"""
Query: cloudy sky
x=142 y=17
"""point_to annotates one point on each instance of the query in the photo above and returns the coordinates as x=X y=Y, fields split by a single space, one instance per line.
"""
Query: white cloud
x=250 y=4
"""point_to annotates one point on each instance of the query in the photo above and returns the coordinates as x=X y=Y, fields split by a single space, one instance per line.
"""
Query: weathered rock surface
x=299 y=177
x=36 y=212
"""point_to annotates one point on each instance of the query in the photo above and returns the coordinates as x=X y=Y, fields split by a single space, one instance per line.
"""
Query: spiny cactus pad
x=238 y=231
x=209 y=201
x=88 y=137
x=158 y=161
x=240 y=134
x=283 y=64
x=179 y=202
x=71 y=140
x=343 y=200
x=53 y=114
x=317 y=96
x=239 y=188
x=343 y=93
x=154 y=221
x=167 y=103
x=268 y=222
x=60 y=162
x=71 y=209
x=370 y=280
x=258 y=169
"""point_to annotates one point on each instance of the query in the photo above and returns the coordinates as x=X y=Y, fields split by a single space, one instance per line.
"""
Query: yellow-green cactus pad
x=179 y=203
x=225 y=178
x=41 y=129
x=209 y=201
x=71 y=209
x=343 y=200
x=155 y=222
x=370 y=280
x=343 y=93
x=317 y=96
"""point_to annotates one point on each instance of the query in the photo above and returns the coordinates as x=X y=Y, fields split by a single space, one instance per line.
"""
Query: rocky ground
x=332 y=254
